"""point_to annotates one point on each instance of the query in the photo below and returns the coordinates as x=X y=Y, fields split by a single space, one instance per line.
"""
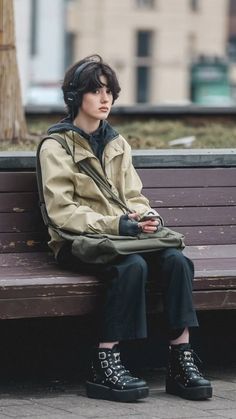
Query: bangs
x=91 y=81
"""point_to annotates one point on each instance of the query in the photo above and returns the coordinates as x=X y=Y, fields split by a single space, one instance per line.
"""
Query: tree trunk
x=12 y=118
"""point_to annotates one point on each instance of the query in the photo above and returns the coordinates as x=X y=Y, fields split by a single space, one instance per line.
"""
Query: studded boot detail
x=183 y=377
x=111 y=381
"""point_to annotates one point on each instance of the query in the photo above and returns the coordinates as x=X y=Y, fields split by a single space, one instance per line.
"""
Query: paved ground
x=62 y=400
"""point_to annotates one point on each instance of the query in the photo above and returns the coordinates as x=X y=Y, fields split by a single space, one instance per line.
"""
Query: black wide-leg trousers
x=124 y=311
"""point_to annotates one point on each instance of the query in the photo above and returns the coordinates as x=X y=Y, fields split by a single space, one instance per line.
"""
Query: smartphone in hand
x=150 y=215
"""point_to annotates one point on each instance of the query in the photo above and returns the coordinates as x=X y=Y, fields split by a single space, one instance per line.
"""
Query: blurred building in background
x=152 y=44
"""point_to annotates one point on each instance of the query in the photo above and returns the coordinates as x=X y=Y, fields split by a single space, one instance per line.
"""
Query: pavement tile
x=172 y=409
x=29 y=410
x=92 y=408
x=59 y=402
x=4 y=402
x=219 y=403
x=221 y=385
x=226 y=414
x=223 y=373
x=226 y=394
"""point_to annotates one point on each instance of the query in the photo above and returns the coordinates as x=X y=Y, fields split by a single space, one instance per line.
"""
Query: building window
x=69 y=48
x=143 y=66
x=144 y=41
x=33 y=37
x=194 y=5
x=145 y=4
x=231 y=48
x=143 y=81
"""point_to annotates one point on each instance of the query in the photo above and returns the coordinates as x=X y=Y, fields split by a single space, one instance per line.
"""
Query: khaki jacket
x=74 y=202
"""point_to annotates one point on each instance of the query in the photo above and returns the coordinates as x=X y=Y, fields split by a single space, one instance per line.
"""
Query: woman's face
x=97 y=105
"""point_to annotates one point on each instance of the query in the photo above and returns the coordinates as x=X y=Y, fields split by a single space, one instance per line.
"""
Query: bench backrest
x=21 y=225
x=200 y=202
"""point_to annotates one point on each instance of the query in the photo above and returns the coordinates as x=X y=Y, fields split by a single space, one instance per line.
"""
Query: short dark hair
x=88 y=80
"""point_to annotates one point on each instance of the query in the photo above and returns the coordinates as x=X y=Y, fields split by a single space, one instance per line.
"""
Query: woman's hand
x=148 y=226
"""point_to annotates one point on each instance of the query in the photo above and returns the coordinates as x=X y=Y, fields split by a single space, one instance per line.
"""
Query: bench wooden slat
x=192 y=177
x=203 y=300
x=216 y=251
x=162 y=178
x=80 y=305
x=189 y=197
x=208 y=235
x=44 y=267
x=71 y=305
x=201 y=216
x=34 y=241
x=26 y=181
x=18 y=202
x=22 y=242
x=20 y=222
x=215 y=300
x=216 y=267
x=18 y=182
x=219 y=281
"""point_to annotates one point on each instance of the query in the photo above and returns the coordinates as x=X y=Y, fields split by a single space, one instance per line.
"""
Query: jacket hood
x=104 y=132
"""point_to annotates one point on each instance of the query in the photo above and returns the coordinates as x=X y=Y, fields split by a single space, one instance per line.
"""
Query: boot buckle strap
x=104 y=364
x=108 y=372
x=102 y=355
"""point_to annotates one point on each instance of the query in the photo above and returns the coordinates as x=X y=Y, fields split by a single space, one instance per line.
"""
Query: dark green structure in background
x=210 y=82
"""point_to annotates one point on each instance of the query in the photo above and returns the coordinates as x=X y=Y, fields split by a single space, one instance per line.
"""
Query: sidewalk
x=67 y=400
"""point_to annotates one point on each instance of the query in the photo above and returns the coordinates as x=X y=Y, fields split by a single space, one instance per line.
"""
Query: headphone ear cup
x=71 y=98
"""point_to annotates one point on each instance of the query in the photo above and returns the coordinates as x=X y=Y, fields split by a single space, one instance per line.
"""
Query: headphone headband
x=78 y=71
x=71 y=97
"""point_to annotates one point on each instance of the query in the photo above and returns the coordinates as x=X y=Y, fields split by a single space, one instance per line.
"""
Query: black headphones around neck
x=71 y=97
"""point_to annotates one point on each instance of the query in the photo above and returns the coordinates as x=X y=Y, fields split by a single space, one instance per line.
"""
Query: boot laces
x=120 y=370
x=187 y=362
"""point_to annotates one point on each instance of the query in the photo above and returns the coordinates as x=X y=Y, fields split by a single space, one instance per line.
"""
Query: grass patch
x=157 y=134
x=152 y=134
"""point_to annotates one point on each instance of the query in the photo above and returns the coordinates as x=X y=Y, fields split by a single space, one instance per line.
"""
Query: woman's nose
x=104 y=96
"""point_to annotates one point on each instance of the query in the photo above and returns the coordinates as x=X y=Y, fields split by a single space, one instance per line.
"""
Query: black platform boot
x=111 y=381
x=183 y=377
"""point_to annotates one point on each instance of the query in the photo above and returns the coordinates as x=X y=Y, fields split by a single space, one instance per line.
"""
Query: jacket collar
x=85 y=143
x=83 y=149
x=104 y=131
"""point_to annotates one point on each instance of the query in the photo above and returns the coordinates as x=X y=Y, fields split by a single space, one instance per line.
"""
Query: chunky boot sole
x=98 y=391
x=190 y=393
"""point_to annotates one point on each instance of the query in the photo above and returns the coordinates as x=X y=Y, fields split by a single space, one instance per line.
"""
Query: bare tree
x=12 y=119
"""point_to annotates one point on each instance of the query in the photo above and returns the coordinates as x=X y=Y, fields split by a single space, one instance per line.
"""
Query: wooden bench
x=195 y=192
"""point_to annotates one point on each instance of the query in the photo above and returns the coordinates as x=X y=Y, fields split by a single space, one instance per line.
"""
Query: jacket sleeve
x=58 y=189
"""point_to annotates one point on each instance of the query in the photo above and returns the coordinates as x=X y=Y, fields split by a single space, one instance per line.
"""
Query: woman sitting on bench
x=77 y=205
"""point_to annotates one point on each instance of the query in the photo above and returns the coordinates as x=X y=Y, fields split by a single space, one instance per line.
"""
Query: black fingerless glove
x=128 y=227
